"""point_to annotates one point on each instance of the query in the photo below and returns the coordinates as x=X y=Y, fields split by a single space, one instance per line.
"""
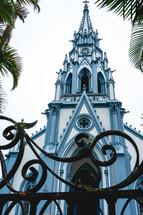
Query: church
x=84 y=103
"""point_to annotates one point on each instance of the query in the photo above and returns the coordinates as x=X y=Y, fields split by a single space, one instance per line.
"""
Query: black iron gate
x=83 y=191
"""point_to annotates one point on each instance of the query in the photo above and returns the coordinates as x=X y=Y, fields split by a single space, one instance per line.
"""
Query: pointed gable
x=83 y=119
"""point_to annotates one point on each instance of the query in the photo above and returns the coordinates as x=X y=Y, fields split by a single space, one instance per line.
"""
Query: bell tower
x=87 y=64
x=85 y=102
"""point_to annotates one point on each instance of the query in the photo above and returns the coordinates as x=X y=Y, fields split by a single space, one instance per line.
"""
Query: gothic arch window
x=139 y=186
x=85 y=175
x=69 y=84
x=85 y=39
x=84 y=80
x=101 y=83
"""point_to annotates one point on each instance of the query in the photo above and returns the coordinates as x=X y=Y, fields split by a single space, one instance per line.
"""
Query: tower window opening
x=101 y=83
x=99 y=86
x=84 y=82
x=85 y=39
x=69 y=84
x=70 y=87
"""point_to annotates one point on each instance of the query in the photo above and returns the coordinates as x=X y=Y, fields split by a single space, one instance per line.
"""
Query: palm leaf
x=20 y=11
x=6 y=12
x=29 y=2
x=136 y=46
x=10 y=62
x=2 y=98
x=129 y=9
x=4 y=17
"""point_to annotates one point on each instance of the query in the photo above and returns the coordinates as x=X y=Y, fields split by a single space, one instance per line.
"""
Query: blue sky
x=42 y=42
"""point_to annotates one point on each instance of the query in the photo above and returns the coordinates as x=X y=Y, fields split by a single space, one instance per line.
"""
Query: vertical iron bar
x=2 y=203
x=111 y=206
x=33 y=207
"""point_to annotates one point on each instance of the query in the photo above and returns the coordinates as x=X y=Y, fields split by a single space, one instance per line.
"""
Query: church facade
x=84 y=102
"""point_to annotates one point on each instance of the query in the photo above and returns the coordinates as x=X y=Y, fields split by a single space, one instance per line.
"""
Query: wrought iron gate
x=83 y=191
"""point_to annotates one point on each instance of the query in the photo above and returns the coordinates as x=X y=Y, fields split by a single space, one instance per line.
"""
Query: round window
x=84 y=122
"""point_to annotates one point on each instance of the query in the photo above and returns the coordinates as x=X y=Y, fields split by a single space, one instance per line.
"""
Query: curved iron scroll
x=16 y=135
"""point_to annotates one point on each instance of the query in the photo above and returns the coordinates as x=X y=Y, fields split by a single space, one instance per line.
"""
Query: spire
x=86 y=33
x=86 y=25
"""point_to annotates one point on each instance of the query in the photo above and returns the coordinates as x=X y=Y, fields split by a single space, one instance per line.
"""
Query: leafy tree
x=10 y=62
x=130 y=10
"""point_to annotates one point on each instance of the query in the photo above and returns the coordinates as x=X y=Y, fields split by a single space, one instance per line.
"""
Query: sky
x=42 y=42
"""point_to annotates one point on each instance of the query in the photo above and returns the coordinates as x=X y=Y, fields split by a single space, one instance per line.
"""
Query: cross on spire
x=85 y=2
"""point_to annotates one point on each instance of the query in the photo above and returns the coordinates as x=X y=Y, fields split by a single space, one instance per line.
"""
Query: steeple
x=87 y=65
x=86 y=25
x=86 y=33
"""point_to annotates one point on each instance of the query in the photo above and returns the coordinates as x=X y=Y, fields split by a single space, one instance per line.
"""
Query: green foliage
x=131 y=10
x=29 y=2
x=2 y=98
x=6 y=12
x=136 y=46
x=20 y=11
x=10 y=62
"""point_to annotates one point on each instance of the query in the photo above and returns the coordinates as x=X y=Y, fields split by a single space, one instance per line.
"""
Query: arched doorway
x=85 y=175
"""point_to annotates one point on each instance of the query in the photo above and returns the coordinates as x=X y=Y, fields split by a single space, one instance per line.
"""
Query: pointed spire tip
x=86 y=4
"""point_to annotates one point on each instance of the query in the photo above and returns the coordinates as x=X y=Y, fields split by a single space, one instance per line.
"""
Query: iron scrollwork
x=16 y=134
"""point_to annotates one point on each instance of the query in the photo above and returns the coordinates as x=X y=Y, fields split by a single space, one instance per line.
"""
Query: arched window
x=84 y=82
x=69 y=84
x=85 y=39
x=99 y=86
x=85 y=175
x=101 y=83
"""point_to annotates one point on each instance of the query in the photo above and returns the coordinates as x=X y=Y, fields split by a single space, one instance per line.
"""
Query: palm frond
x=129 y=9
x=136 y=46
x=10 y=62
x=6 y=12
x=30 y=2
x=3 y=100
x=20 y=11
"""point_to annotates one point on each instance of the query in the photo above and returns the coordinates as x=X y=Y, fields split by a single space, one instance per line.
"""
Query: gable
x=84 y=119
x=84 y=64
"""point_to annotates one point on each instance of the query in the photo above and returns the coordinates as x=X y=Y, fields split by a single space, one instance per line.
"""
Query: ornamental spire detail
x=86 y=25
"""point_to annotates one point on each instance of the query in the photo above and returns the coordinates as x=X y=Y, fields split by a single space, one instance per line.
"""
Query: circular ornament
x=85 y=51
